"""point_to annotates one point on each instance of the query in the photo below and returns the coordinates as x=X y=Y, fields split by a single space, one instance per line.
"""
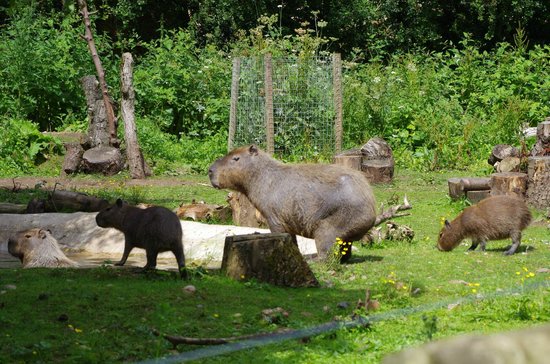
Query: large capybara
x=318 y=201
x=493 y=218
x=38 y=248
x=155 y=229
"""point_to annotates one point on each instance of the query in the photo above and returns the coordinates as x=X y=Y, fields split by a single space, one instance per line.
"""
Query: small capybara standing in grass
x=155 y=229
x=318 y=201
x=493 y=218
x=38 y=248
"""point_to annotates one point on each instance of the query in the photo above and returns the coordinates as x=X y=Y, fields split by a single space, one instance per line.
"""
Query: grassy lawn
x=108 y=314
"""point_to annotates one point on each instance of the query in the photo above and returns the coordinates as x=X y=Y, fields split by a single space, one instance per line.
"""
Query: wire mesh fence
x=294 y=99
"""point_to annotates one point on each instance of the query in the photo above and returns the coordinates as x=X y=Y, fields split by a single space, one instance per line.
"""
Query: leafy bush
x=22 y=146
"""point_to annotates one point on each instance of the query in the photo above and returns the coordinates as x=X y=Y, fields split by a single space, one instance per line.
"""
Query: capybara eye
x=236 y=158
x=28 y=236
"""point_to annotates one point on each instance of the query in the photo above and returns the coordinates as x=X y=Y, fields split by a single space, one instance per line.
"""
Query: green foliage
x=42 y=61
x=22 y=147
x=445 y=110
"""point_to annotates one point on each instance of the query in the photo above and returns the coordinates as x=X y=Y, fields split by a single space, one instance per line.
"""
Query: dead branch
x=392 y=212
x=111 y=119
x=176 y=340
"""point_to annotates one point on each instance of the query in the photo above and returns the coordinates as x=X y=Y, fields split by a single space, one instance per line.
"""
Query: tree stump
x=244 y=212
x=458 y=187
x=542 y=146
x=509 y=183
x=350 y=161
x=270 y=258
x=73 y=158
x=538 y=190
x=377 y=148
x=103 y=159
x=476 y=196
x=378 y=170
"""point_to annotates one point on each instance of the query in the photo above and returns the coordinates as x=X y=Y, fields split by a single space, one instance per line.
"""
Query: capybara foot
x=119 y=264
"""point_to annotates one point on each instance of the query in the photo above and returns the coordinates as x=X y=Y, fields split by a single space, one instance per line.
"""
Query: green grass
x=107 y=314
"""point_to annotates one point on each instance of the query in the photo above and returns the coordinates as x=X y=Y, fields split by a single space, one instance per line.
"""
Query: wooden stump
x=476 y=196
x=501 y=151
x=459 y=186
x=538 y=190
x=350 y=161
x=509 y=183
x=270 y=258
x=244 y=212
x=73 y=157
x=378 y=170
x=542 y=147
x=106 y=160
x=376 y=148
x=508 y=164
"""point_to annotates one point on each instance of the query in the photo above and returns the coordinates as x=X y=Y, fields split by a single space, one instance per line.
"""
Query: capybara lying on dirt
x=493 y=218
x=318 y=201
x=38 y=248
x=155 y=229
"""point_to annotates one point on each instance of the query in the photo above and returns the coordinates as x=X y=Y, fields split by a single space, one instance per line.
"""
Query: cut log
x=376 y=148
x=104 y=159
x=501 y=151
x=74 y=201
x=73 y=158
x=270 y=258
x=509 y=183
x=350 y=161
x=538 y=190
x=12 y=208
x=378 y=170
x=476 y=196
x=459 y=186
x=508 y=164
x=244 y=212
x=542 y=146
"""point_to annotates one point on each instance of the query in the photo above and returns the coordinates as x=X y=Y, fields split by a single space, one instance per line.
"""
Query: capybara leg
x=516 y=240
x=180 y=258
x=474 y=245
x=127 y=249
x=483 y=244
x=324 y=241
x=151 y=259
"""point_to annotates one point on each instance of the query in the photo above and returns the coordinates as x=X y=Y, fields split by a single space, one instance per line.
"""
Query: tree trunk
x=103 y=159
x=98 y=133
x=244 y=212
x=138 y=167
x=271 y=258
x=509 y=183
x=538 y=190
x=111 y=119
x=542 y=147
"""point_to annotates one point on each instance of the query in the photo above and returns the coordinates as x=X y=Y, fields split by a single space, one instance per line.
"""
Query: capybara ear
x=119 y=202
x=43 y=234
x=447 y=223
x=253 y=150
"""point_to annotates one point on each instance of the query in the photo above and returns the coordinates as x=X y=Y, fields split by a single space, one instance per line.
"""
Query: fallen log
x=12 y=208
x=459 y=186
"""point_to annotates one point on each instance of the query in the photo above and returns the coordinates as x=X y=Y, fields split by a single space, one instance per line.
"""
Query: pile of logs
x=524 y=175
x=375 y=159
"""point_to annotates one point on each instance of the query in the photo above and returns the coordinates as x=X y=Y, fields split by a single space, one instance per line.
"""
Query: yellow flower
x=78 y=331
x=525 y=269
x=531 y=274
x=518 y=273
x=474 y=290
x=216 y=315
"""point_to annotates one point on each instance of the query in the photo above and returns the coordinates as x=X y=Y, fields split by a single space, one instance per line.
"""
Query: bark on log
x=542 y=146
x=378 y=170
x=106 y=160
x=508 y=164
x=136 y=163
x=509 y=183
x=376 y=148
x=73 y=158
x=244 y=212
x=111 y=119
x=476 y=196
x=12 y=208
x=501 y=151
x=350 y=161
x=459 y=186
x=98 y=130
x=538 y=190
x=74 y=201
x=270 y=258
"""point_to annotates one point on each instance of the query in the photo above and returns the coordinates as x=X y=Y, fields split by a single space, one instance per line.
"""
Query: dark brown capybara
x=318 y=201
x=38 y=248
x=493 y=218
x=155 y=229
